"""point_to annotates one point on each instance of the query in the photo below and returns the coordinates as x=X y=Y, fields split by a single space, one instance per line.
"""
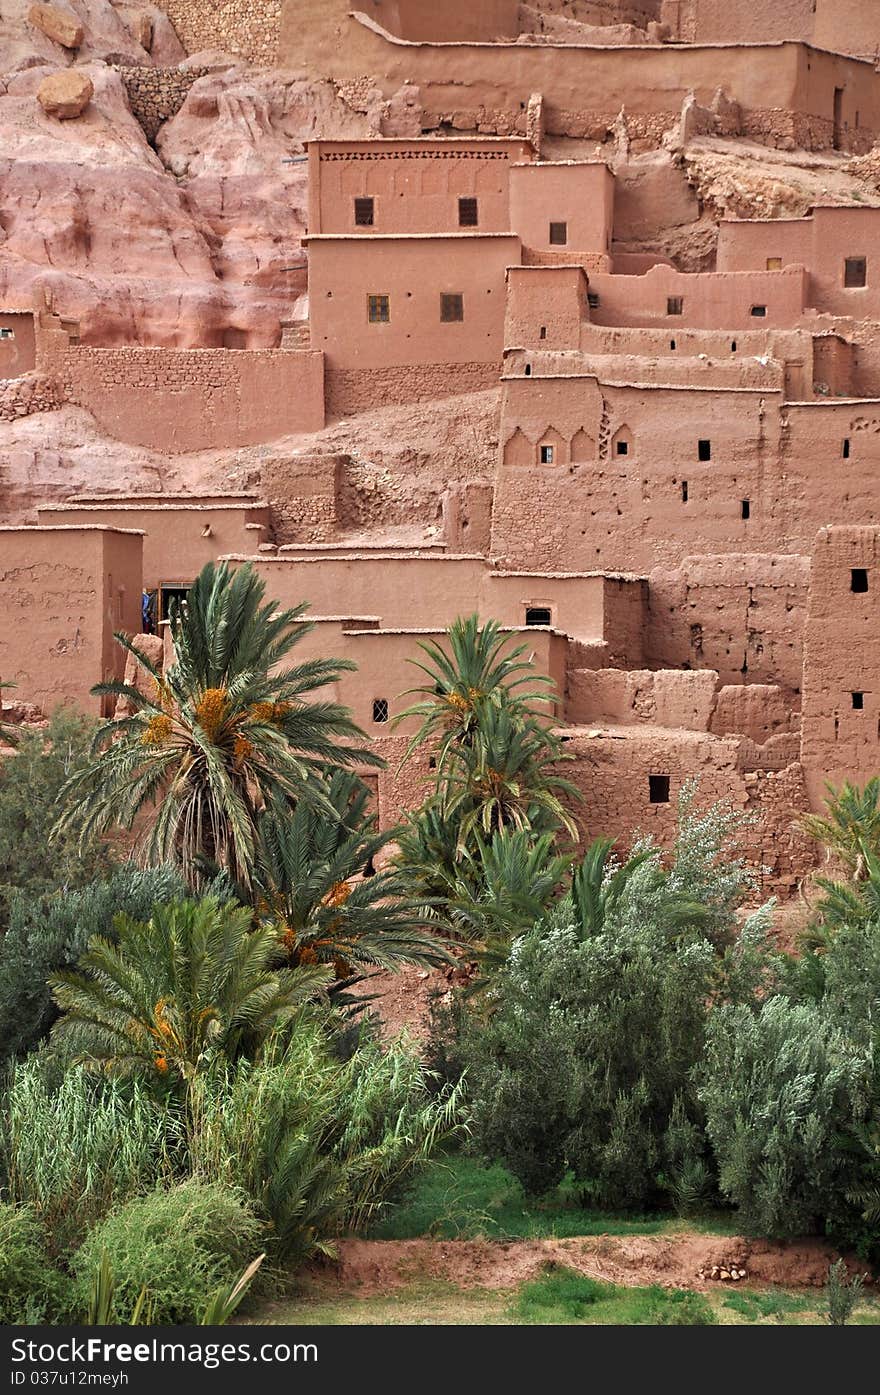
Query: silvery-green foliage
x=779 y=1089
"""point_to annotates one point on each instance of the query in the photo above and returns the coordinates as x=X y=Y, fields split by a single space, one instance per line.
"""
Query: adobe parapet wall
x=785 y=90
x=180 y=400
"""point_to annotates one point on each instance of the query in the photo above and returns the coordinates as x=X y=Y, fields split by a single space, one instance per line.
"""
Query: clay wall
x=822 y=243
x=741 y=615
x=351 y=390
x=344 y=272
x=708 y=300
x=579 y=195
x=486 y=87
x=303 y=491
x=841 y=712
x=457 y=21
x=180 y=400
x=23 y=397
x=65 y=590
x=179 y=538
x=843 y=26
x=545 y=306
x=18 y=350
x=627 y=697
x=415 y=185
x=406 y=590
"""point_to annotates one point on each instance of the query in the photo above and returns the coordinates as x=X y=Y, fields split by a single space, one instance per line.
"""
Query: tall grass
x=74 y=1149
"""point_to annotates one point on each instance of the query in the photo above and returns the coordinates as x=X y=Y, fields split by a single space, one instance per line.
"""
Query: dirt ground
x=378 y=1267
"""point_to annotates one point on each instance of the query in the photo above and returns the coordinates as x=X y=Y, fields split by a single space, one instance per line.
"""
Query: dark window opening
x=451 y=307
x=363 y=213
x=432 y=762
x=380 y=709
x=538 y=615
x=171 y=598
x=846 y=448
x=658 y=789
x=468 y=213
x=745 y=509
x=528 y=370
x=543 y=334
x=733 y=346
x=6 y=333
x=684 y=491
x=858 y=579
x=674 y=305
x=704 y=450
x=558 y=234
x=546 y=455
x=672 y=343
x=858 y=702
x=758 y=312
x=623 y=448
x=855 y=272
x=378 y=309
x=593 y=299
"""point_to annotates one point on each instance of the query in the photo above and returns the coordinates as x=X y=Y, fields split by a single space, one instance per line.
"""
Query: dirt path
x=369 y=1267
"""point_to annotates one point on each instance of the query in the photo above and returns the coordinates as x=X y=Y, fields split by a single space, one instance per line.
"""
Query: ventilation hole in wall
x=704 y=450
x=528 y=370
x=858 y=579
x=672 y=343
x=846 y=448
x=758 y=312
x=658 y=789
x=836 y=727
x=380 y=709
x=432 y=762
x=543 y=334
x=684 y=491
x=745 y=509
x=733 y=346
x=858 y=702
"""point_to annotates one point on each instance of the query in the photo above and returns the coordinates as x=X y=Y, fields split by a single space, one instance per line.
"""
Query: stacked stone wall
x=248 y=28
x=360 y=390
x=23 y=397
x=157 y=94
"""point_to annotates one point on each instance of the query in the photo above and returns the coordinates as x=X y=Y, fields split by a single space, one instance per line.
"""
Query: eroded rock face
x=65 y=95
x=59 y=25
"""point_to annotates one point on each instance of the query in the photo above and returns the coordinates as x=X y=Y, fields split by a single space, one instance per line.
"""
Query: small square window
x=658 y=789
x=858 y=579
x=846 y=448
x=380 y=709
x=675 y=305
x=704 y=450
x=623 y=447
x=774 y=263
x=855 y=272
x=745 y=509
x=379 y=309
x=451 y=307
x=363 y=213
x=6 y=333
x=546 y=455
x=858 y=702
x=758 y=312
x=538 y=615
x=468 y=213
x=558 y=234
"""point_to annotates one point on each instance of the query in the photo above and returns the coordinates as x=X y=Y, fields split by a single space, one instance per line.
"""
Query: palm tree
x=503 y=887
x=315 y=879
x=171 y=995
x=480 y=669
x=851 y=825
x=211 y=739
x=505 y=777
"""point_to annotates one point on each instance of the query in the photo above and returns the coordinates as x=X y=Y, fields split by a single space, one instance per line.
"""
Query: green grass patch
x=754 y=1305
x=458 y=1198
x=562 y=1296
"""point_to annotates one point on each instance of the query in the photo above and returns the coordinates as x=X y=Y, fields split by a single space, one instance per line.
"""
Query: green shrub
x=30 y=1290
x=75 y=1147
x=180 y=1245
x=30 y=783
x=582 y=1061
x=842 y=1293
x=779 y=1088
x=49 y=933
x=317 y=1145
